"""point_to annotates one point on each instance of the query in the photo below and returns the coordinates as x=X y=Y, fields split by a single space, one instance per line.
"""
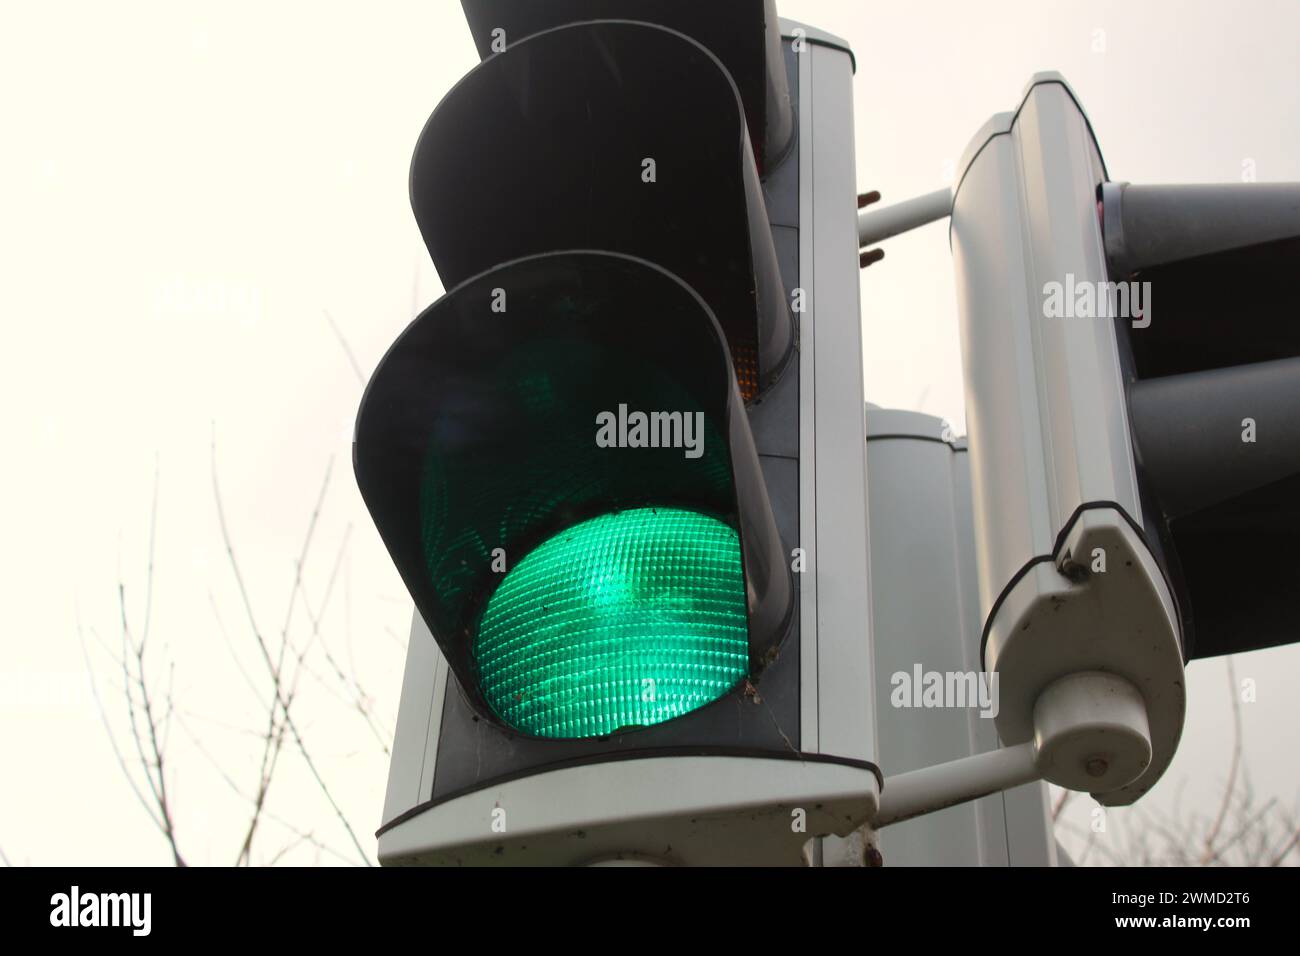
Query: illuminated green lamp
x=624 y=620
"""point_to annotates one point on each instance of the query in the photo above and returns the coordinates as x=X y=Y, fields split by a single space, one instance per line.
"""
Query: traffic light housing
x=1132 y=379
x=535 y=183
x=1212 y=368
x=637 y=553
x=1069 y=582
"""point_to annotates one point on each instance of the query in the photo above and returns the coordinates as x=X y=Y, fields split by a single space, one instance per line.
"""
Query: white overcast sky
x=186 y=190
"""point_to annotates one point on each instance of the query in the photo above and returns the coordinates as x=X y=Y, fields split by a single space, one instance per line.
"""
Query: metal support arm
x=948 y=784
x=878 y=224
x=1090 y=733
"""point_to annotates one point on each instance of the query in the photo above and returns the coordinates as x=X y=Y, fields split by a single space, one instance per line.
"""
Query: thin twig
x=272 y=663
x=361 y=700
x=153 y=527
x=1231 y=786
x=230 y=646
x=1242 y=831
x=1061 y=801
x=274 y=741
x=1285 y=849
x=108 y=730
x=153 y=762
x=1091 y=843
x=396 y=638
x=230 y=782
x=290 y=846
x=347 y=349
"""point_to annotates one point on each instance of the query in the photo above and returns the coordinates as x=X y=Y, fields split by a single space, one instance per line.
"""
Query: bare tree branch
x=1231 y=785
x=274 y=665
x=143 y=721
x=1061 y=801
x=360 y=700
x=274 y=741
x=229 y=781
x=1091 y=837
x=108 y=730
x=347 y=349
x=1242 y=831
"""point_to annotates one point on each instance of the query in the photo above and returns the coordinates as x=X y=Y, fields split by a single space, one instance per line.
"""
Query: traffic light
x=1212 y=365
x=595 y=460
x=1132 y=379
x=1068 y=581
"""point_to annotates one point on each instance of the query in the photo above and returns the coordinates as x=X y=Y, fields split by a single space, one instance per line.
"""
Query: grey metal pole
x=948 y=784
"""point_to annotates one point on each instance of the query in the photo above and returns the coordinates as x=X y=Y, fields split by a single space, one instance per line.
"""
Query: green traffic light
x=624 y=620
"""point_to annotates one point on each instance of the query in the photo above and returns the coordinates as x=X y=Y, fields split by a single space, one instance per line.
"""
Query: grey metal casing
x=1053 y=482
x=925 y=608
x=838 y=681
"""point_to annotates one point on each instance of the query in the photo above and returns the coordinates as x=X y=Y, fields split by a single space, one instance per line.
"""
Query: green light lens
x=624 y=620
